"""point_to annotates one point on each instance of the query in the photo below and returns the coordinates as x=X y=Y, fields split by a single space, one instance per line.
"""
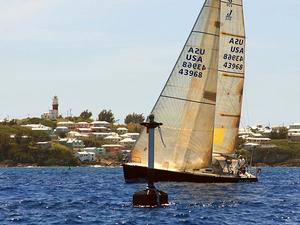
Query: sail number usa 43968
x=233 y=58
x=193 y=65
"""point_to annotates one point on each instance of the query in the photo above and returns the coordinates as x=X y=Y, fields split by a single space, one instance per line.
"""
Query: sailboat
x=200 y=105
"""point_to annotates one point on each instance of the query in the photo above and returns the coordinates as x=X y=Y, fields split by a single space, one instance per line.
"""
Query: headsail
x=186 y=105
x=230 y=76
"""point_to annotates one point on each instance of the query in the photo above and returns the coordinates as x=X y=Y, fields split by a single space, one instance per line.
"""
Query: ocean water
x=87 y=195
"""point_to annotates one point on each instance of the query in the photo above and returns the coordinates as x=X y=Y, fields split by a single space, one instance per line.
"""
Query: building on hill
x=113 y=149
x=112 y=139
x=99 y=129
x=70 y=125
x=86 y=131
x=100 y=124
x=134 y=136
x=73 y=134
x=82 y=125
x=61 y=130
x=294 y=132
x=98 y=151
x=122 y=130
x=53 y=113
x=86 y=156
x=100 y=135
x=72 y=143
x=128 y=143
x=38 y=127
x=258 y=140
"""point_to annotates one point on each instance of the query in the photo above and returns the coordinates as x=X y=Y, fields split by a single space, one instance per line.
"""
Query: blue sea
x=87 y=195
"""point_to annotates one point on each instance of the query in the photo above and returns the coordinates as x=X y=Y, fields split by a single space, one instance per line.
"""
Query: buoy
x=150 y=197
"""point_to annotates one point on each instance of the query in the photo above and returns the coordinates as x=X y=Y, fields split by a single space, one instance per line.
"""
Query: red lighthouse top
x=55 y=103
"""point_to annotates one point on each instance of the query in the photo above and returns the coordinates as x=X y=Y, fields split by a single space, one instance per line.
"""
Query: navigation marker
x=150 y=197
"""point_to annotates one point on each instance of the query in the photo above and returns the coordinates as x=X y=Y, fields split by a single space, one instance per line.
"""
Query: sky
x=118 y=54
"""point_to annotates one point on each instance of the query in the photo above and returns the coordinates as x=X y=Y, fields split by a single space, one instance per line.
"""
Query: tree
x=279 y=133
x=134 y=118
x=86 y=115
x=106 y=115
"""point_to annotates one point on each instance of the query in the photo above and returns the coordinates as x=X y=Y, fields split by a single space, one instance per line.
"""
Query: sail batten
x=234 y=75
x=227 y=71
x=233 y=35
x=233 y=3
x=187 y=100
x=201 y=32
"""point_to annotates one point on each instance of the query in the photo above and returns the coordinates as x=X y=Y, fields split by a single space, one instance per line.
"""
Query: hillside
x=275 y=153
x=22 y=149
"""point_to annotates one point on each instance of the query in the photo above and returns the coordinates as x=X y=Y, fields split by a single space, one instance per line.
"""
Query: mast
x=230 y=76
x=186 y=106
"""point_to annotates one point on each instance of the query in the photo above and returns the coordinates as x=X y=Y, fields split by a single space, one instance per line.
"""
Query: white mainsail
x=186 y=106
x=230 y=76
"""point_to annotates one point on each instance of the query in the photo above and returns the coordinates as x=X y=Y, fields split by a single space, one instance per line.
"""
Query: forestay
x=230 y=76
x=186 y=106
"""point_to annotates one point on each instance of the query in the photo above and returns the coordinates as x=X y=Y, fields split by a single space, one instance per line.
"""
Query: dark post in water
x=151 y=197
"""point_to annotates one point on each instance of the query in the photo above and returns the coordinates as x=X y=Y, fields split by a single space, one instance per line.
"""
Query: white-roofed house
x=100 y=135
x=69 y=124
x=257 y=140
x=61 y=130
x=134 y=136
x=73 y=134
x=86 y=156
x=73 y=143
x=39 y=127
x=112 y=139
x=113 y=149
x=122 y=130
x=128 y=142
x=82 y=125
x=125 y=136
x=96 y=150
x=85 y=130
x=99 y=129
x=100 y=124
x=294 y=132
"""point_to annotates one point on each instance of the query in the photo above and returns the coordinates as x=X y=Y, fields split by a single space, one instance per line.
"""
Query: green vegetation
x=22 y=148
x=134 y=128
x=134 y=118
x=86 y=115
x=93 y=142
x=275 y=153
x=14 y=129
x=56 y=155
x=111 y=159
x=106 y=115
x=279 y=133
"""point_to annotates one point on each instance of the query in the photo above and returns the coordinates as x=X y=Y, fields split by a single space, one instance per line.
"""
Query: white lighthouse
x=55 y=107
x=53 y=113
